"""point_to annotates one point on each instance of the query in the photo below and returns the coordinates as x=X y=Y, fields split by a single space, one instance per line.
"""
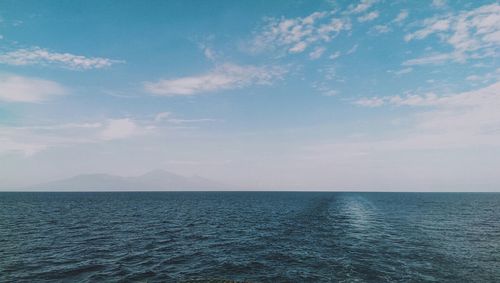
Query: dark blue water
x=257 y=237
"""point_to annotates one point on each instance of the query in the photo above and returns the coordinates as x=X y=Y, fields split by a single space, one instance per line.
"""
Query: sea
x=249 y=237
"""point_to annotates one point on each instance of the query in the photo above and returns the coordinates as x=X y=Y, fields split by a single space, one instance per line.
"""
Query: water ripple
x=255 y=237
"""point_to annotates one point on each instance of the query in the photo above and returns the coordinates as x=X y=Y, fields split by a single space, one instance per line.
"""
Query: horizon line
x=243 y=191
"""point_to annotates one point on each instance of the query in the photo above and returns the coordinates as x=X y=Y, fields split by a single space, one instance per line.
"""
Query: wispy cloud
x=325 y=89
x=485 y=78
x=473 y=113
x=168 y=117
x=369 y=16
x=184 y=121
x=222 y=77
x=463 y=120
x=295 y=35
x=388 y=27
x=370 y=102
x=119 y=129
x=7 y=145
x=362 y=6
x=335 y=55
x=438 y=3
x=471 y=34
x=353 y=49
x=317 y=53
x=401 y=16
x=63 y=126
x=162 y=116
x=31 y=139
x=489 y=95
x=436 y=58
x=15 y=88
x=380 y=29
x=40 y=56
x=402 y=71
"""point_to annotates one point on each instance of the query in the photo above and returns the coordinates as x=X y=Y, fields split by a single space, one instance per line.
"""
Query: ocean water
x=249 y=236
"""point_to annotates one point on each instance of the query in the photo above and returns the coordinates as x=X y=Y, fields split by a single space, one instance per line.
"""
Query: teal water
x=249 y=236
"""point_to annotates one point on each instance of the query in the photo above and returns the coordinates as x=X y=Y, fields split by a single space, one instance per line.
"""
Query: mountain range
x=153 y=180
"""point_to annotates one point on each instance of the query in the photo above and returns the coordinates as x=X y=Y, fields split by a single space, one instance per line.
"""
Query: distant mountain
x=154 y=180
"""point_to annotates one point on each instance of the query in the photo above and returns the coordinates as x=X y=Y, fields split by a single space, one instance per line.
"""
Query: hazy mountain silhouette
x=153 y=180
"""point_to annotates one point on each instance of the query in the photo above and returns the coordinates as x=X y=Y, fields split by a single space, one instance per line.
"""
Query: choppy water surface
x=257 y=237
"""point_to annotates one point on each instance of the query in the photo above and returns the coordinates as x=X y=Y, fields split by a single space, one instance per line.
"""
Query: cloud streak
x=453 y=123
x=15 y=88
x=31 y=139
x=368 y=17
x=472 y=117
x=472 y=34
x=223 y=77
x=295 y=35
x=362 y=6
x=119 y=129
x=44 y=57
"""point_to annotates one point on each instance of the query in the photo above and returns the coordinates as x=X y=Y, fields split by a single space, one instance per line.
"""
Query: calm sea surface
x=244 y=236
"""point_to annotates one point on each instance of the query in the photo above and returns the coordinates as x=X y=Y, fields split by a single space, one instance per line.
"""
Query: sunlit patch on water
x=359 y=211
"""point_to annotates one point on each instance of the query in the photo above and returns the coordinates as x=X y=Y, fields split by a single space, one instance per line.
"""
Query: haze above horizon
x=353 y=95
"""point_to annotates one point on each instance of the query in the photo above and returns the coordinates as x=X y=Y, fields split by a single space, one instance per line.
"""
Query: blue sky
x=359 y=95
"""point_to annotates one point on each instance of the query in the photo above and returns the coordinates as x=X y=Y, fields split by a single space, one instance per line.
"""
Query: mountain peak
x=157 y=179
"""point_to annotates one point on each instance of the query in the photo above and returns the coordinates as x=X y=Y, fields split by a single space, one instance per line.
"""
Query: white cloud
x=40 y=56
x=403 y=71
x=485 y=78
x=162 y=116
x=369 y=17
x=324 y=88
x=438 y=3
x=408 y=100
x=401 y=16
x=63 y=126
x=168 y=117
x=430 y=26
x=317 y=53
x=472 y=34
x=25 y=89
x=119 y=129
x=458 y=121
x=209 y=53
x=385 y=28
x=380 y=29
x=31 y=139
x=362 y=6
x=473 y=78
x=184 y=121
x=335 y=55
x=436 y=58
x=353 y=49
x=370 y=102
x=330 y=92
x=471 y=117
x=329 y=73
x=223 y=77
x=299 y=47
x=473 y=113
x=297 y=34
x=27 y=149
x=487 y=96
